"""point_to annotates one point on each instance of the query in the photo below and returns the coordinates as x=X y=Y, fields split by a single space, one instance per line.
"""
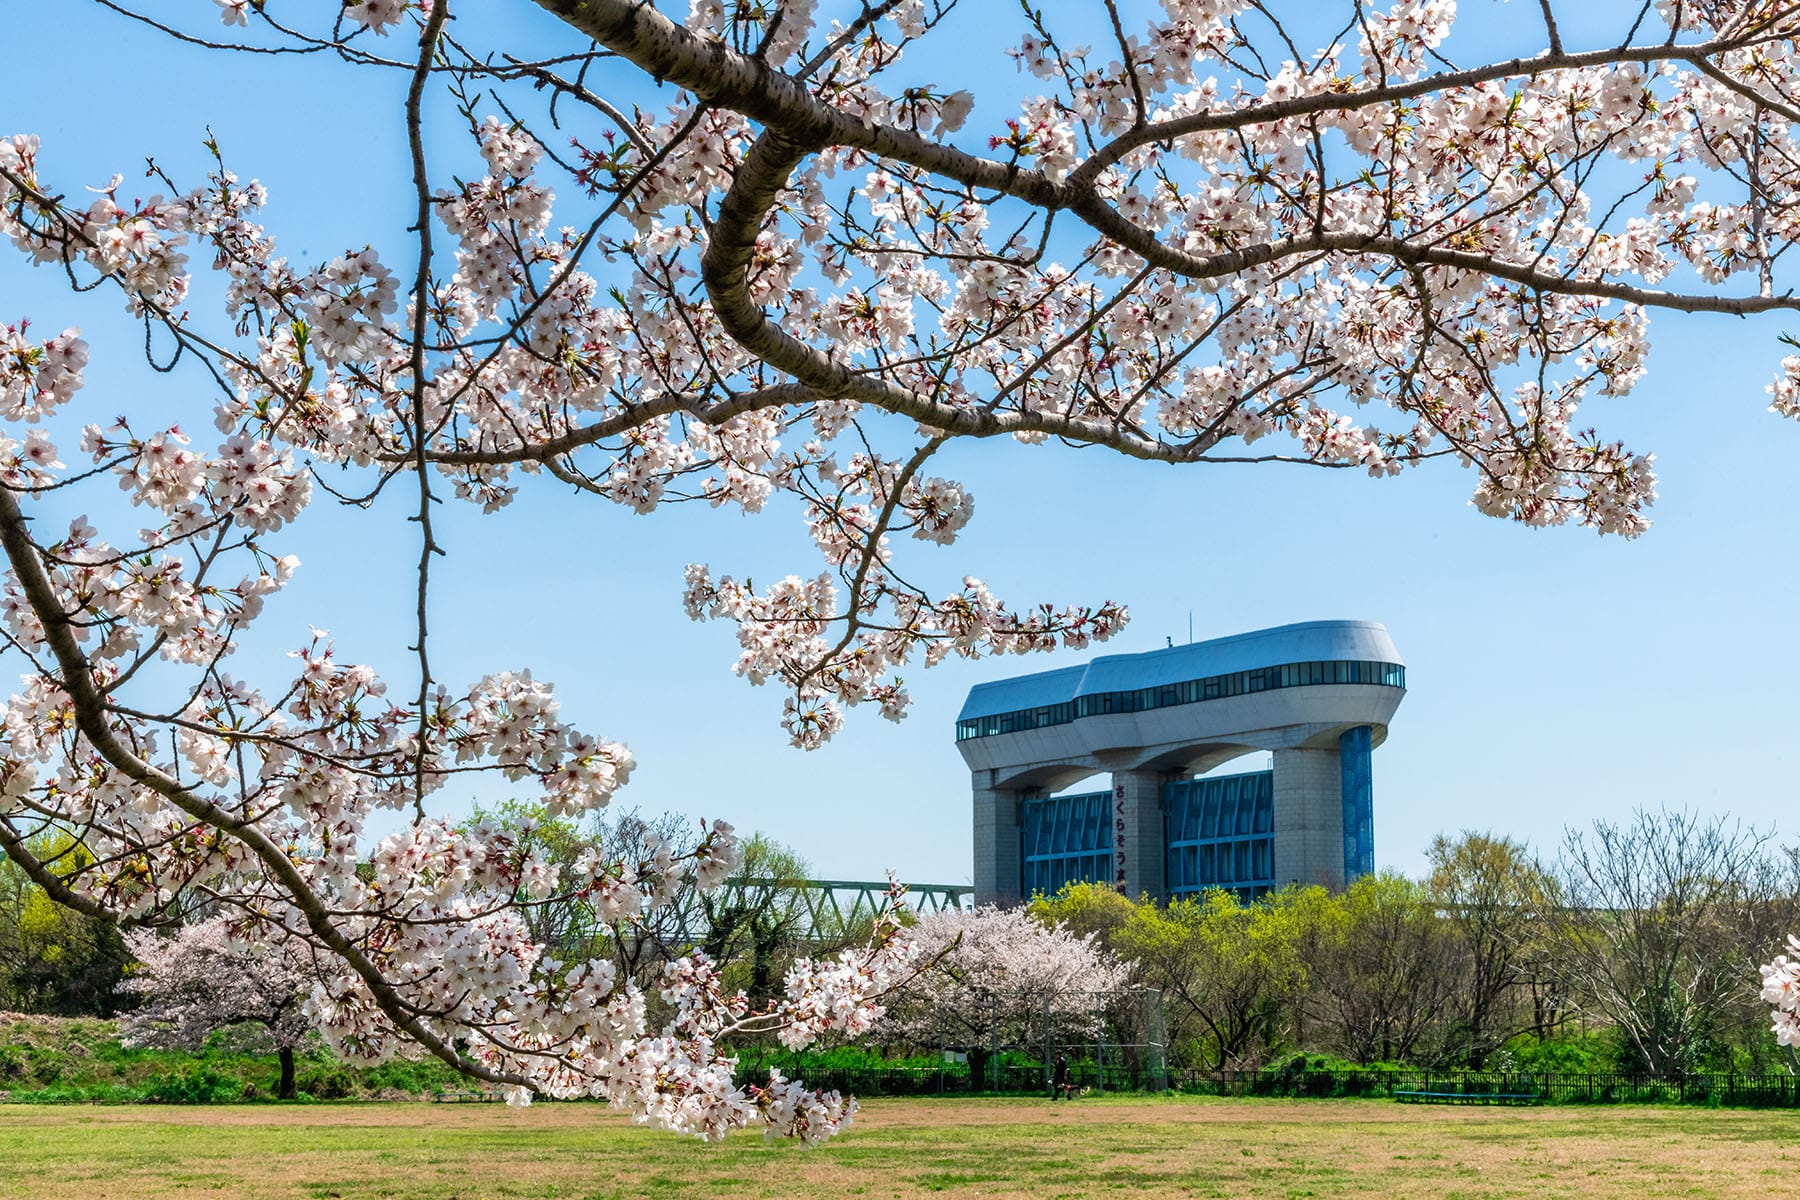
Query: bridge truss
x=823 y=910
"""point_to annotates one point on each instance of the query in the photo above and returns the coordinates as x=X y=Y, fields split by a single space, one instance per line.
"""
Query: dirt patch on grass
x=1005 y=1149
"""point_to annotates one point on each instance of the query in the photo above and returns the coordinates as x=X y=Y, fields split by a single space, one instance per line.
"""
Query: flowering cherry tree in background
x=199 y=982
x=790 y=282
x=999 y=976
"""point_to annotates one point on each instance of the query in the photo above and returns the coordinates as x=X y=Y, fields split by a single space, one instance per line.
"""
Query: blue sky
x=1555 y=677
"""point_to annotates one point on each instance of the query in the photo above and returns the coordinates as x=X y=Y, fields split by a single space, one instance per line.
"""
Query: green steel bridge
x=820 y=909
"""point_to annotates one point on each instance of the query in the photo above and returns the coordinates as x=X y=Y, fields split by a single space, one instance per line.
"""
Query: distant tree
x=1225 y=967
x=1489 y=892
x=999 y=977
x=54 y=959
x=758 y=919
x=641 y=938
x=1652 y=924
x=751 y=928
x=200 y=981
x=1088 y=908
x=1383 y=977
x=559 y=920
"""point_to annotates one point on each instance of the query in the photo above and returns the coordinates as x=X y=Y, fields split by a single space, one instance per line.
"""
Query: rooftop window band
x=1193 y=691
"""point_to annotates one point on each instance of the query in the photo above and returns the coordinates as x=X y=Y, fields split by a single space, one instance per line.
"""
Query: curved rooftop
x=1308 y=641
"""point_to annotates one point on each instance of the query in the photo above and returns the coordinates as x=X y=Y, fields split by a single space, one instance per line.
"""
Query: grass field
x=903 y=1148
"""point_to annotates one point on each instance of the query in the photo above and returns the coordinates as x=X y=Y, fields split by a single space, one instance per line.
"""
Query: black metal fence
x=1556 y=1087
x=1728 y=1089
x=954 y=1078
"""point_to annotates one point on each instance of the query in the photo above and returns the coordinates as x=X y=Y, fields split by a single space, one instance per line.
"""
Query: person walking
x=1059 y=1079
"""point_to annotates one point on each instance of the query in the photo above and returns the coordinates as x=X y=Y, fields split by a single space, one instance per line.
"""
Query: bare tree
x=1654 y=926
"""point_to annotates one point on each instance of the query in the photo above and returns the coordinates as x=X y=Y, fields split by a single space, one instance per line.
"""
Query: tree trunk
x=286 y=1089
x=978 y=1068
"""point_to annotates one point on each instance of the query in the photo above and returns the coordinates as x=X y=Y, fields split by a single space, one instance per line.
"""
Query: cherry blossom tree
x=997 y=976
x=760 y=265
x=201 y=981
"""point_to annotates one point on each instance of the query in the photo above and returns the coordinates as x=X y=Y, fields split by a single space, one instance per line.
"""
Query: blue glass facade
x=1066 y=839
x=1355 y=753
x=1193 y=691
x=1220 y=832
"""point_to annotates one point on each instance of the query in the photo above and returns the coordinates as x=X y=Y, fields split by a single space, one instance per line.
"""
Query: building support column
x=997 y=863
x=1140 y=851
x=1309 y=818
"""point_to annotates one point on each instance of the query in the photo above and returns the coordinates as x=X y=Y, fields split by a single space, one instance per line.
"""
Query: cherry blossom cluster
x=784 y=633
x=581 y=1033
x=433 y=911
x=1002 y=965
x=1786 y=389
x=38 y=375
x=1781 y=991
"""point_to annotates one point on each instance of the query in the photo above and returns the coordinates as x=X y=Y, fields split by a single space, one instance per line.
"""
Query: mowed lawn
x=1019 y=1148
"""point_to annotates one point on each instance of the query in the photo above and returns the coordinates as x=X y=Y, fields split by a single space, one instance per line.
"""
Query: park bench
x=1469 y=1097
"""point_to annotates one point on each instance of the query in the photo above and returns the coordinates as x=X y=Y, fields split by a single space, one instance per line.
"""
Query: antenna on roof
x=1190 y=626
x=1169 y=642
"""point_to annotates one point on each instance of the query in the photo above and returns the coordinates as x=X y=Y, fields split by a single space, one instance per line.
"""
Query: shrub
x=328 y=1083
x=198 y=1085
x=415 y=1077
x=45 y=1064
x=1579 y=1054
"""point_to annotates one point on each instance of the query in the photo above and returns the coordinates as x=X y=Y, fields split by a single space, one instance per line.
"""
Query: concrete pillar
x=1309 y=818
x=996 y=844
x=1139 y=848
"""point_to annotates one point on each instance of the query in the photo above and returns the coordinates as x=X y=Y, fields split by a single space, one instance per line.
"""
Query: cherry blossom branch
x=415 y=134
x=90 y=714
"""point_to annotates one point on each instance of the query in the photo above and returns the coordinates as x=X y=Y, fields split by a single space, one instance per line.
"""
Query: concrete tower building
x=1319 y=695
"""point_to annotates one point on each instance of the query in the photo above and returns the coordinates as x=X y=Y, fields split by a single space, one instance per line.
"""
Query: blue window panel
x=1065 y=839
x=1355 y=753
x=1220 y=834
